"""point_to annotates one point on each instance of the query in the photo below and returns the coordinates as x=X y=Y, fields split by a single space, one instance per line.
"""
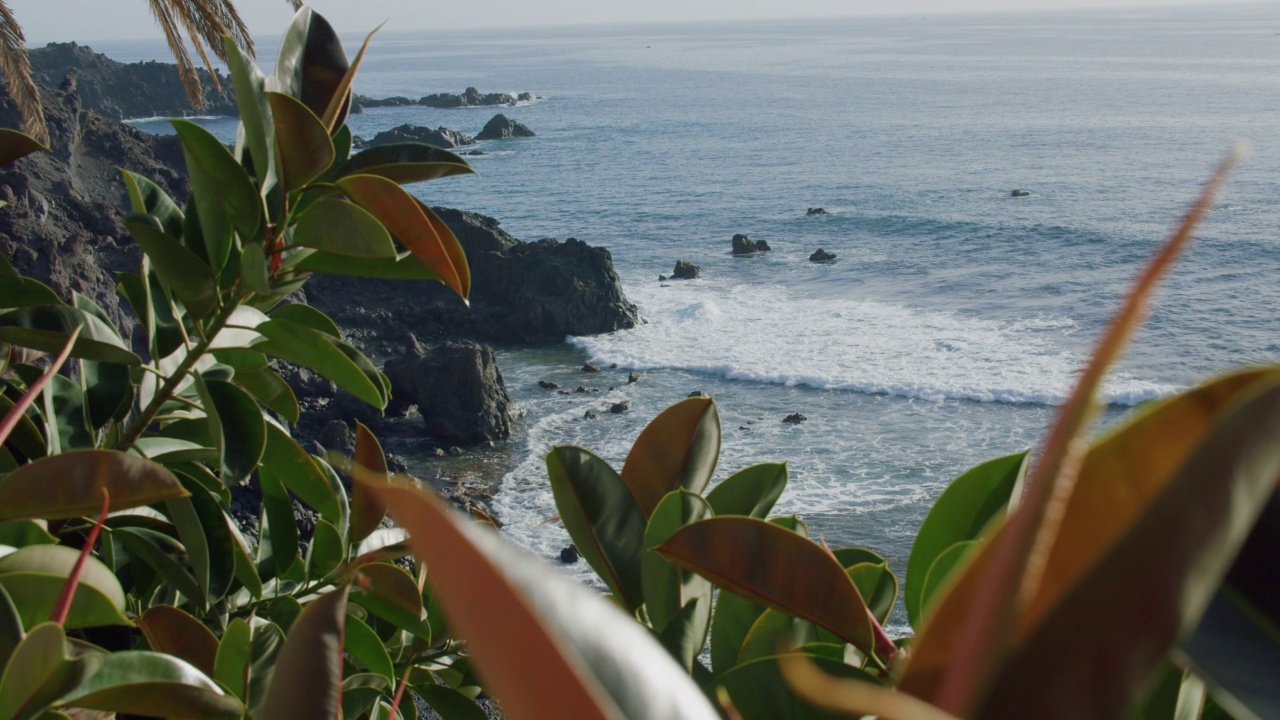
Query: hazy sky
x=88 y=20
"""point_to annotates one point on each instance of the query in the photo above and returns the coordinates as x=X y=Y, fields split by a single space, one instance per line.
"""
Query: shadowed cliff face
x=127 y=90
x=63 y=224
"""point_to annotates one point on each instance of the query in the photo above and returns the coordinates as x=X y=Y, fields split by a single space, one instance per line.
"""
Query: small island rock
x=816 y=211
x=441 y=137
x=794 y=418
x=1020 y=193
x=744 y=245
x=686 y=270
x=620 y=407
x=590 y=368
x=501 y=127
x=821 y=255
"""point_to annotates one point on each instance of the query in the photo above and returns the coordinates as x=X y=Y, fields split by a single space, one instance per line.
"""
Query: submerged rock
x=821 y=255
x=794 y=418
x=590 y=368
x=620 y=407
x=501 y=127
x=686 y=270
x=569 y=555
x=1020 y=193
x=744 y=245
x=816 y=211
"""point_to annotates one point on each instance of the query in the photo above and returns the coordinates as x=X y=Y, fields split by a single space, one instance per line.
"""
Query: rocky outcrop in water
x=458 y=389
x=1019 y=193
x=501 y=127
x=441 y=137
x=744 y=245
x=686 y=270
x=127 y=90
x=821 y=255
x=816 y=211
x=472 y=97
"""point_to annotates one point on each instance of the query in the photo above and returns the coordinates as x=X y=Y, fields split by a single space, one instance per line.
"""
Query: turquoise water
x=955 y=316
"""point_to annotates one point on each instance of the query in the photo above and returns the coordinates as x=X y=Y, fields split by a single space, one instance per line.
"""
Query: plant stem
x=148 y=414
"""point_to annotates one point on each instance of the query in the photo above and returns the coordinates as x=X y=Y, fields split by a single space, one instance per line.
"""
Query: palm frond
x=17 y=68
x=161 y=9
x=201 y=22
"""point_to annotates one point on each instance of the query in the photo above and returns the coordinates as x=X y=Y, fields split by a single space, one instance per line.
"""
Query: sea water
x=954 y=318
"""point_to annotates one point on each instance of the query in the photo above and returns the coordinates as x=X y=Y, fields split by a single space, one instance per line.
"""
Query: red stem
x=63 y=606
x=395 y=703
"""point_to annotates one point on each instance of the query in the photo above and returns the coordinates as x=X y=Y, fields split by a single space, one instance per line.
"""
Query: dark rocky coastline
x=470 y=97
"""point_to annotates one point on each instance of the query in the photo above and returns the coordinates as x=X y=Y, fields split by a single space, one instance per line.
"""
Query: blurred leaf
x=304 y=346
x=391 y=593
x=778 y=568
x=307 y=682
x=16 y=291
x=224 y=195
x=759 y=692
x=34 y=576
x=172 y=631
x=186 y=274
x=730 y=623
x=942 y=570
x=448 y=703
x=338 y=226
x=11 y=630
x=311 y=63
x=20 y=533
x=256 y=128
x=774 y=630
x=15 y=145
x=302 y=140
x=405 y=266
x=39 y=672
x=603 y=519
x=969 y=505
x=530 y=629
x=367 y=648
x=47 y=327
x=678 y=449
x=82 y=475
x=107 y=389
x=751 y=492
x=878 y=585
x=667 y=588
x=408 y=221
x=147 y=197
x=406 y=163
x=147 y=683
x=366 y=511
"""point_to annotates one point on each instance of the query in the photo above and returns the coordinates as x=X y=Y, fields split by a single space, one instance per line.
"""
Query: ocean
x=954 y=318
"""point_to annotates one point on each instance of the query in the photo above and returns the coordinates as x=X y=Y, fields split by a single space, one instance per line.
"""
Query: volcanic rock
x=821 y=255
x=501 y=127
x=816 y=211
x=1019 y=193
x=471 y=97
x=458 y=389
x=441 y=137
x=794 y=418
x=686 y=270
x=744 y=245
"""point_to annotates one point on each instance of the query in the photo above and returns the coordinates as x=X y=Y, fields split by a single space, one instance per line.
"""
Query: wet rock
x=472 y=97
x=590 y=368
x=590 y=415
x=1018 y=192
x=744 y=245
x=620 y=407
x=501 y=127
x=440 y=137
x=794 y=418
x=457 y=387
x=547 y=385
x=633 y=377
x=816 y=211
x=821 y=255
x=569 y=555
x=698 y=393
x=686 y=270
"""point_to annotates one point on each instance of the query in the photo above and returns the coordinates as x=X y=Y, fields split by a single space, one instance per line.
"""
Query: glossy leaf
x=530 y=629
x=366 y=512
x=285 y=462
x=344 y=228
x=47 y=327
x=64 y=404
x=770 y=565
x=173 y=631
x=667 y=588
x=254 y=271
x=602 y=518
x=271 y=390
x=20 y=533
x=186 y=274
x=301 y=139
x=325 y=553
x=404 y=266
x=678 y=449
x=279 y=531
x=162 y=553
x=943 y=569
x=335 y=113
x=730 y=623
x=35 y=592
x=773 y=631
x=237 y=426
x=39 y=672
x=968 y=506
x=406 y=163
x=311 y=64
x=147 y=683
x=11 y=630
x=368 y=649
x=266 y=644
x=82 y=476
x=408 y=222
x=107 y=390
x=877 y=584
x=256 y=128
x=750 y=492
x=203 y=530
x=298 y=344
x=307 y=681
x=15 y=145
x=389 y=592
x=234 y=657
x=224 y=195
x=307 y=316
x=147 y=197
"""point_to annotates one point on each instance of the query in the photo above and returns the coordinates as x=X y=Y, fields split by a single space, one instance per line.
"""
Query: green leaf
x=668 y=588
x=943 y=568
x=342 y=227
x=65 y=405
x=602 y=518
x=20 y=533
x=685 y=635
x=268 y=640
x=17 y=291
x=82 y=476
x=15 y=145
x=147 y=197
x=203 y=529
x=11 y=631
x=25 y=438
x=231 y=666
x=530 y=629
x=307 y=682
x=47 y=328
x=257 y=131
x=366 y=512
x=771 y=565
x=301 y=139
x=173 y=631
x=326 y=551
x=404 y=266
x=730 y=623
x=236 y=424
x=774 y=630
x=968 y=506
x=307 y=316
x=224 y=194
x=750 y=492
x=759 y=692
x=271 y=390
x=107 y=390
x=39 y=672
x=391 y=594
x=406 y=163
x=162 y=553
x=367 y=648
x=878 y=585
x=253 y=269
x=411 y=223
x=279 y=532
x=34 y=576
x=311 y=63
x=146 y=683
x=678 y=449
x=448 y=703
x=327 y=356
x=285 y=462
